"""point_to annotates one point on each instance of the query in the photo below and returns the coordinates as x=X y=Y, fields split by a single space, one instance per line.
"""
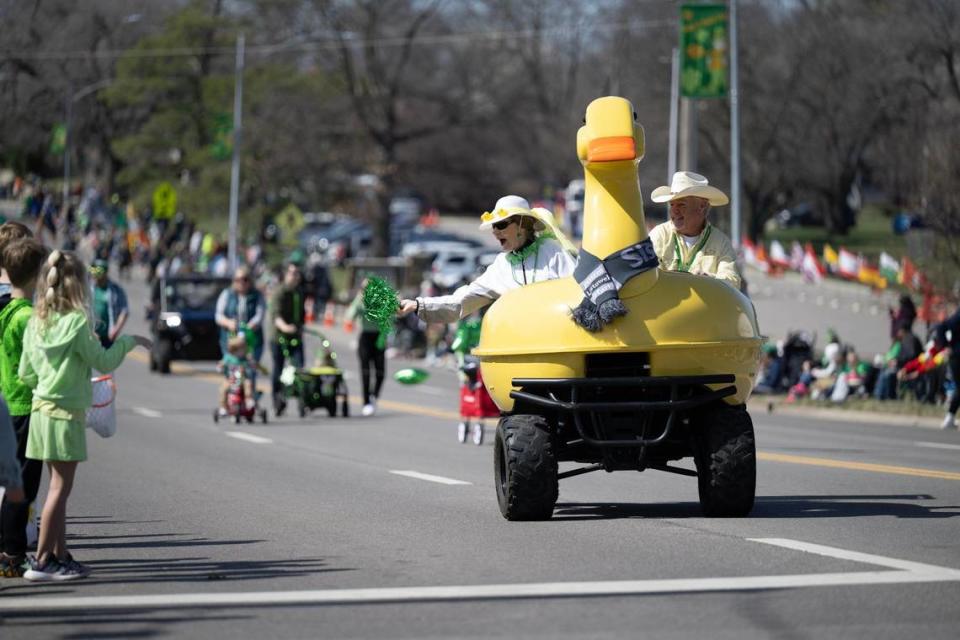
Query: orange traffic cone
x=328 y=319
x=308 y=316
x=348 y=326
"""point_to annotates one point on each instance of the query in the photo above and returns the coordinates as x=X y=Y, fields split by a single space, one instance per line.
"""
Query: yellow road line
x=402 y=407
x=859 y=466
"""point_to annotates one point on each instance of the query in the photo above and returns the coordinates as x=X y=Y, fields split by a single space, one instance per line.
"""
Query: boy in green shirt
x=21 y=260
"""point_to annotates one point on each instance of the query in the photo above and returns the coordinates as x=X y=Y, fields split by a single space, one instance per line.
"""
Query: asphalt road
x=305 y=528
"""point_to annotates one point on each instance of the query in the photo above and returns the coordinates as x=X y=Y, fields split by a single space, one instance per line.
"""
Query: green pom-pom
x=411 y=376
x=380 y=304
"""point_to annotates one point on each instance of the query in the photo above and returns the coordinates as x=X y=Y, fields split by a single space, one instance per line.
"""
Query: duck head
x=610 y=145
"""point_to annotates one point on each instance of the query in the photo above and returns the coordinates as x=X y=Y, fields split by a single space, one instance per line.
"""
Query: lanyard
x=523 y=267
x=693 y=253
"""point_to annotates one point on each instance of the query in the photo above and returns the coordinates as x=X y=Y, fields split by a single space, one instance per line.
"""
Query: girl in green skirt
x=59 y=352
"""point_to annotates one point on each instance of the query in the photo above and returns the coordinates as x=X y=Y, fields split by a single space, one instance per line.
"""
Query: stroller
x=319 y=386
x=475 y=403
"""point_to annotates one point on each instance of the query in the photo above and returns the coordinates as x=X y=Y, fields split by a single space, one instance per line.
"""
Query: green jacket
x=57 y=361
x=13 y=324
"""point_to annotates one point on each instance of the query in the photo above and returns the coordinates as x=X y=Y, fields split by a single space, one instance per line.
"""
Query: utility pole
x=734 y=132
x=235 y=168
x=674 y=106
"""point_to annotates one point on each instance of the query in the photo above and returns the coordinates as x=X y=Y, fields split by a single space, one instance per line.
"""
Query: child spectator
x=59 y=351
x=22 y=260
x=9 y=231
x=236 y=358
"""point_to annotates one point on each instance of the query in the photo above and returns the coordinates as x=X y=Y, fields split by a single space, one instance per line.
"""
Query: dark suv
x=183 y=319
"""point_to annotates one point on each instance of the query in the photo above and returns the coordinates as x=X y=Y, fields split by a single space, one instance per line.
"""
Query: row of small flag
x=843 y=264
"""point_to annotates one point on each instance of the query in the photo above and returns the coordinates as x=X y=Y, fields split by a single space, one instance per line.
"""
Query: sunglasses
x=503 y=224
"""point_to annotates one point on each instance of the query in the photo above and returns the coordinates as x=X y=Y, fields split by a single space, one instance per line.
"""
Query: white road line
x=937 y=445
x=856 y=556
x=428 y=477
x=147 y=413
x=249 y=437
x=907 y=573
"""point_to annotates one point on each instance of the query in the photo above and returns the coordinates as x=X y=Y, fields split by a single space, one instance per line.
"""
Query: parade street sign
x=164 y=201
x=703 y=50
x=290 y=221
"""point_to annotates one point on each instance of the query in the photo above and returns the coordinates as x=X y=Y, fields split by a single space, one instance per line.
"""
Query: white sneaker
x=462 y=432
x=368 y=410
x=949 y=422
x=478 y=433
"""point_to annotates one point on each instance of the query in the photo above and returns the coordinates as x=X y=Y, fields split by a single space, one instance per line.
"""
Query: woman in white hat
x=534 y=250
x=687 y=242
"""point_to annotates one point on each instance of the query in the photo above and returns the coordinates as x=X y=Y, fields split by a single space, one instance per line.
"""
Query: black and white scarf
x=601 y=281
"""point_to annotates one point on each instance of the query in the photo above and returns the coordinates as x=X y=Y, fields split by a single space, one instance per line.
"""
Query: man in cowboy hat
x=687 y=242
x=534 y=250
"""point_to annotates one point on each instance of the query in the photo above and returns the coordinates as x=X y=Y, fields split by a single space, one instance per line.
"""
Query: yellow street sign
x=164 y=201
x=289 y=221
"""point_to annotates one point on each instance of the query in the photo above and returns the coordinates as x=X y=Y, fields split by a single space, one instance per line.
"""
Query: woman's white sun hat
x=687 y=183
x=509 y=206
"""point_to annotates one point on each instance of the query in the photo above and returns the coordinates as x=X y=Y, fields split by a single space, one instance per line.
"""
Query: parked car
x=452 y=266
x=183 y=323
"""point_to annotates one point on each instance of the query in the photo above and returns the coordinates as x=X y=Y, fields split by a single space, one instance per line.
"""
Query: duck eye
x=634 y=116
x=584 y=120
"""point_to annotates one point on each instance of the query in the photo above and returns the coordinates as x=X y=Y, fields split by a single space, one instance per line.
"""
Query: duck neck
x=612 y=208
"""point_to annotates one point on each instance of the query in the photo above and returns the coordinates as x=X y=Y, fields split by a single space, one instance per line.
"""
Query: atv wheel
x=163 y=354
x=345 y=407
x=525 y=468
x=726 y=462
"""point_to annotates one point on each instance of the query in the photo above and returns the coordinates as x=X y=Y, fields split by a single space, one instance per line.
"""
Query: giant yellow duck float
x=663 y=375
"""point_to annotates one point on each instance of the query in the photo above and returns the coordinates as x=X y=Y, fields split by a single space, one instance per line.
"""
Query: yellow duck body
x=678 y=323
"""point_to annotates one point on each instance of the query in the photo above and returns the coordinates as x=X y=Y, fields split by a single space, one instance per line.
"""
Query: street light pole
x=734 y=131
x=68 y=108
x=235 y=169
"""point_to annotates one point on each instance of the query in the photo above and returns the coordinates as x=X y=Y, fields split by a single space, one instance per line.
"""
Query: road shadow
x=97 y=625
x=175 y=557
x=786 y=507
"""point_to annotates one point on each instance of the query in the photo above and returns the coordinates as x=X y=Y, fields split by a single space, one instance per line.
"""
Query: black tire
x=263 y=416
x=216 y=416
x=301 y=408
x=153 y=362
x=345 y=407
x=726 y=457
x=163 y=355
x=525 y=468
x=332 y=407
x=237 y=418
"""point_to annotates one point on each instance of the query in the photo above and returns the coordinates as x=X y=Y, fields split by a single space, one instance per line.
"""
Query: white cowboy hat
x=509 y=206
x=687 y=183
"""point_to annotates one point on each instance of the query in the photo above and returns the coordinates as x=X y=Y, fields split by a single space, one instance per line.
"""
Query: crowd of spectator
x=909 y=369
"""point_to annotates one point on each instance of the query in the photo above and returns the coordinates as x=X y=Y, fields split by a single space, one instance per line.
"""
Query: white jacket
x=548 y=262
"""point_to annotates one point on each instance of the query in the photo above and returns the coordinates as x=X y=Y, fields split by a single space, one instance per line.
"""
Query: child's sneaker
x=72 y=565
x=462 y=432
x=949 y=422
x=478 y=433
x=222 y=412
x=49 y=571
x=13 y=566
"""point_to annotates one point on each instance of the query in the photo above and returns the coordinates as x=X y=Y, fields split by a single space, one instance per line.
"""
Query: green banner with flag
x=704 y=44
x=58 y=139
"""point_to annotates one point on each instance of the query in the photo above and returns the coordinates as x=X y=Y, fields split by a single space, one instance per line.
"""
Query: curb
x=760 y=405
